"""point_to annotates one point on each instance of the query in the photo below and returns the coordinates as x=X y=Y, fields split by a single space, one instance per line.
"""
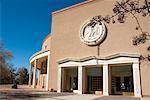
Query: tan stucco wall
x=46 y=43
x=65 y=41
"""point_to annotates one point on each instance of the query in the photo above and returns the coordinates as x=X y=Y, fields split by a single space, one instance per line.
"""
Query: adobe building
x=79 y=58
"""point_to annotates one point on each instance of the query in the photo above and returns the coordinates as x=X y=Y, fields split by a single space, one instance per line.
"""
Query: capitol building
x=83 y=58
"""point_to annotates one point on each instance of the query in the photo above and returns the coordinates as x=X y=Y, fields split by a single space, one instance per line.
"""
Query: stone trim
x=42 y=52
x=99 y=58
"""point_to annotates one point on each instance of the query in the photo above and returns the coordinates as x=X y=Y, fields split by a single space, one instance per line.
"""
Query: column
x=39 y=72
x=105 y=80
x=59 y=80
x=30 y=76
x=80 y=79
x=48 y=73
x=42 y=80
x=34 y=74
x=136 y=79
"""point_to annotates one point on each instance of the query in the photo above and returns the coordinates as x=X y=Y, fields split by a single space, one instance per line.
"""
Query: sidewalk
x=27 y=93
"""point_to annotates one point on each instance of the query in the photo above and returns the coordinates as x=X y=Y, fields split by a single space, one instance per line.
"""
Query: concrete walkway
x=60 y=96
x=25 y=93
x=90 y=97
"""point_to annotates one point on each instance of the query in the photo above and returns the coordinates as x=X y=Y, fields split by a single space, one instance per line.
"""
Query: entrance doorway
x=70 y=79
x=121 y=79
x=94 y=76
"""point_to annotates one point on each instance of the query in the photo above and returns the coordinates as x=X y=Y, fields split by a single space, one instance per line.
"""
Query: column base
x=105 y=94
x=138 y=96
x=79 y=92
x=58 y=91
x=47 y=89
x=33 y=86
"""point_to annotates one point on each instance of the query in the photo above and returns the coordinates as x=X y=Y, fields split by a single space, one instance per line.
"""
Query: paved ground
x=25 y=93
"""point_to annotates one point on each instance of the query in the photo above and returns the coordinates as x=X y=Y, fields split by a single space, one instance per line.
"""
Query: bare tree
x=4 y=54
x=128 y=8
x=6 y=70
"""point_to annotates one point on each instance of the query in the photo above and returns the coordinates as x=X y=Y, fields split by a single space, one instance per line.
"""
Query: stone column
x=59 y=80
x=30 y=76
x=105 y=80
x=80 y=79
x=136 y=79
x=48 y=73
x=42 y=80
x=39 y=72
x=34 y=74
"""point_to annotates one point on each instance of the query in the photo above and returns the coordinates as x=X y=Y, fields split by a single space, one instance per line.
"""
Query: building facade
x=80 y=58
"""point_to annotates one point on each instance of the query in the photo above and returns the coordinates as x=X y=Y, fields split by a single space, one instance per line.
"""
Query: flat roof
x=38 y=53
x=73 y=6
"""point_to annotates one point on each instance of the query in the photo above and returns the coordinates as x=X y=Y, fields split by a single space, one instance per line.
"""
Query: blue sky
x=25 y=23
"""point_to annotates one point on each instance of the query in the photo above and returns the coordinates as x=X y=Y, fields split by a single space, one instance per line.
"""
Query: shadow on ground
x=31 y=95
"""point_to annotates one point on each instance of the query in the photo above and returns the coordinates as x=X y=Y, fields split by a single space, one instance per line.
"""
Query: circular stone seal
x=93 y=33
